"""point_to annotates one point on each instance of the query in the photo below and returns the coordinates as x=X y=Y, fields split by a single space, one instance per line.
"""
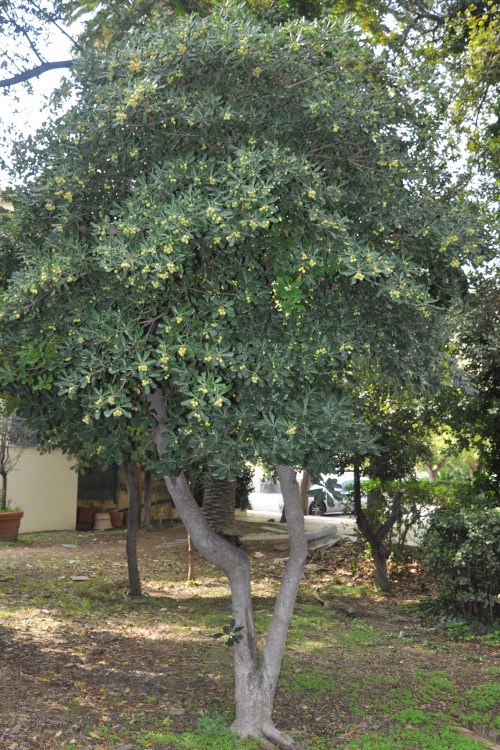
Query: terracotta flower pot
x=9 y=525
x=116 y=519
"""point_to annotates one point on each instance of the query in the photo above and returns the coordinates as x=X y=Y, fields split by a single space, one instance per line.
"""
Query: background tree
x=229 y=215
x=9 y=453
x=479 y=337
x=399 y=424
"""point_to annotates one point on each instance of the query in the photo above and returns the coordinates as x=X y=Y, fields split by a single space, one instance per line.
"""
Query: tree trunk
x=146 y=507
x=379 y=554
x=373 y=530
x=255 y=680
x=3 y=499
x=132 y=526
x=433 y=471
x=191 y=569
x=219 y=502
x=305 y=486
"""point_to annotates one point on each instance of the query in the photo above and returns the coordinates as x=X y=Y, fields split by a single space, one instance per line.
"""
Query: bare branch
x=34 y=72
x=66 y=34
x=19 y=29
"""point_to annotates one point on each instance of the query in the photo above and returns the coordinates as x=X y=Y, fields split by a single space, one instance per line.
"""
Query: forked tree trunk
x=255 y=678
x=132 y=526
x=433 y=471
x=305 y=486
x=376 y=532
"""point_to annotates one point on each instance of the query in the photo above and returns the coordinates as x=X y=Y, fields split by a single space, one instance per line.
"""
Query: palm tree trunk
x=219 y=498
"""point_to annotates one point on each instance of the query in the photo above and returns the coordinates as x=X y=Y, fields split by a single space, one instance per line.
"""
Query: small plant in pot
x=10 y=520
x=10 y=517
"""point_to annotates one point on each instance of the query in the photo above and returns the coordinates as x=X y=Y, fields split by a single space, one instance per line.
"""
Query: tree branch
x=34 y=72
x=283 y=608
x=385 y=527
x=20 y=29
x=359 y=514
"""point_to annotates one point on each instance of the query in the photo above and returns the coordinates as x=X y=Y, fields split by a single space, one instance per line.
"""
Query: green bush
x=419 y=496
x=461 y=549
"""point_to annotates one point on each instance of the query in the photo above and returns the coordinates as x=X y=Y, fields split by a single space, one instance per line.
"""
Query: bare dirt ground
x=83 y=666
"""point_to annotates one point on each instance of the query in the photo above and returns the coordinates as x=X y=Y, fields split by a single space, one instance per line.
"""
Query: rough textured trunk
x=255 y=679
x=219 y=502
x=132 y=526
x=379 y=554
x=146 y=507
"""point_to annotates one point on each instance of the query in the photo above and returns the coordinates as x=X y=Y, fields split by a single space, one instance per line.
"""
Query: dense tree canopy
x=479 y=335
x=249 y=216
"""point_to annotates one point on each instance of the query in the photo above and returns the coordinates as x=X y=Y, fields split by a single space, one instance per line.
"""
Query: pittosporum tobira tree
x=224 y=223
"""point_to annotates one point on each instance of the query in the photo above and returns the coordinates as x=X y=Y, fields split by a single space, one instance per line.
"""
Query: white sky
x=27 y=114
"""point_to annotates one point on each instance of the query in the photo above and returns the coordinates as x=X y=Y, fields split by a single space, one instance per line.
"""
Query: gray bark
x=433 y=471
x=3 y=498
x=305 y=486
x=255 y=679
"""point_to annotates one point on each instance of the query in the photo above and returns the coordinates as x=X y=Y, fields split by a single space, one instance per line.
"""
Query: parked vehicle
x=330 y=495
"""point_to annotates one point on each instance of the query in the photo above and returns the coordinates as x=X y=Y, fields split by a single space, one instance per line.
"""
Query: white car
x=329 y=496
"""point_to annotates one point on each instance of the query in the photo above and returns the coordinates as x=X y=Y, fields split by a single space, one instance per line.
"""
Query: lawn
x=83 y=667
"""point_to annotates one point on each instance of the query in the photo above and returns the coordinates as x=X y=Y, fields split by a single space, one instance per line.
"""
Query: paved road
x=345 y=525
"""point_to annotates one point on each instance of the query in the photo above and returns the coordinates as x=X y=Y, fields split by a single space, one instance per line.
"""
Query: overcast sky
x=25 y=112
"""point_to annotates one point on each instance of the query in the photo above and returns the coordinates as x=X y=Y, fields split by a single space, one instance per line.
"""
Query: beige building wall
x=45 y=488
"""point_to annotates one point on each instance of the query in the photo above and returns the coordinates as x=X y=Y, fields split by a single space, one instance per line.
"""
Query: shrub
x=419 y=497
x=461 y=549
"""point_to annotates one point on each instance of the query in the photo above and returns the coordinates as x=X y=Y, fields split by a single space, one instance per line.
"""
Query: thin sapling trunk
x=132 y=527
x=146 y=506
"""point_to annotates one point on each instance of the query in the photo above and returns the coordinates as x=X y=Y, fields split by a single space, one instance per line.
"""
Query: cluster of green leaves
x=237 y=214
x=462 y=551
x=231 y=633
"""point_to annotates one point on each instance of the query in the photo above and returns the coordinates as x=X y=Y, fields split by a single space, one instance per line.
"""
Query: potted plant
x=10 y=518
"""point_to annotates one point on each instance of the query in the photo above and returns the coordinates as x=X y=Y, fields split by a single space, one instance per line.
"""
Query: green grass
x=432 y=686
x=312 y=680
x=211 y=734
x=415 y=739
x=358 y=634
x=194 y=741
x=485 y=696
